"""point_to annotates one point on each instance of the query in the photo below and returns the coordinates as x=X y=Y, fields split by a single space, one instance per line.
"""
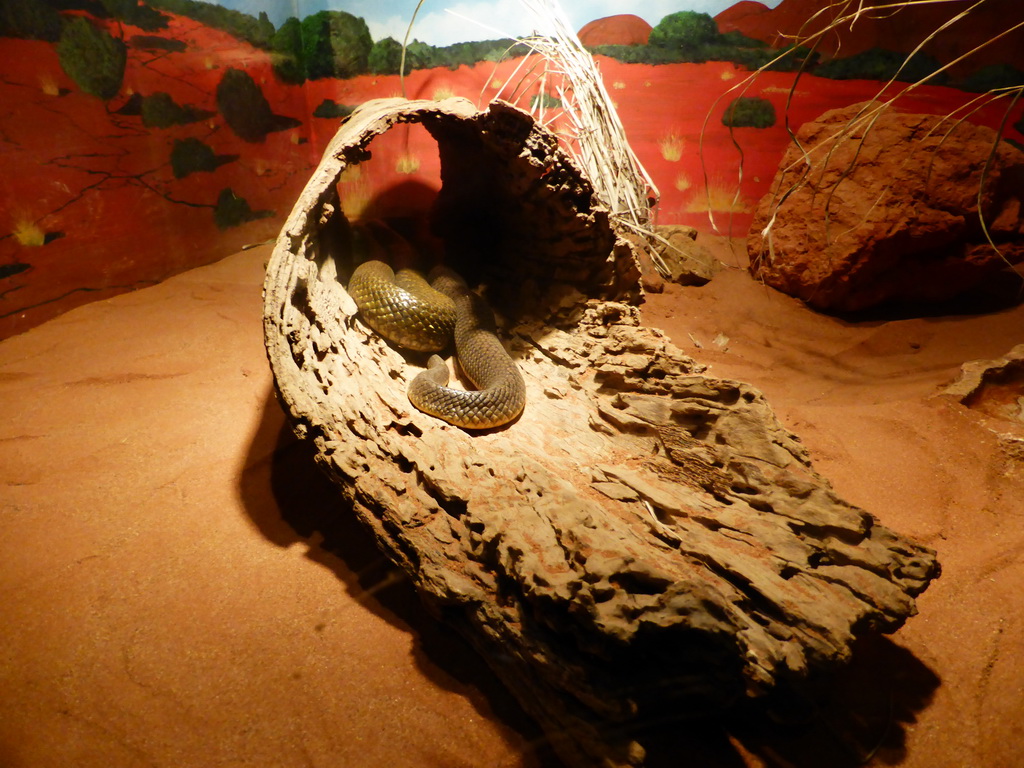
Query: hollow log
x=645 y=538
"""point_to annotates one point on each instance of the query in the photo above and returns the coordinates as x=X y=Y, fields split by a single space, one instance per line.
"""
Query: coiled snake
x=408 y=311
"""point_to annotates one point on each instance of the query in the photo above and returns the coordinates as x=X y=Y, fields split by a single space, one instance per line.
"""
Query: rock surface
x=688 y=262
x=886 y=210
x=646 y=540
x=995 y=388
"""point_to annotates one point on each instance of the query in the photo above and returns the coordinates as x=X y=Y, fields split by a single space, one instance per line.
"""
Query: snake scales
x=413 y=313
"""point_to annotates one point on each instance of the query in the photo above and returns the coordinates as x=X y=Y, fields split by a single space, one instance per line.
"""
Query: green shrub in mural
x=29 y=19
x=882 y=64
x=691 y=37
x=685 y=29
x=991 y=77
x=638 y=54
x=139 y=14
x=191 y=156
x=793 y=58
x=749 y=112
x=159 y=110
x=386 y=57
x=244 y=107
x=257 y=31
x=232 y=210
x=335 y=44
x=330 y=108
x=92 y=58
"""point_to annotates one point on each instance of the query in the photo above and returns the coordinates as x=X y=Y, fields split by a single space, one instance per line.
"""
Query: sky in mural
x=442 y=22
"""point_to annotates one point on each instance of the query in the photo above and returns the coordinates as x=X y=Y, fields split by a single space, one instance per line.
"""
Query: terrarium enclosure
x=758 y=266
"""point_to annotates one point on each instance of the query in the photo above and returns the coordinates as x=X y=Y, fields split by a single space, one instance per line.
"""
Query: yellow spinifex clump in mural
x=718 y=196
x=407 y=164
x=683 y=182
x=28 y=233
x=671 y=146
x=442 y=93
x=48 y=84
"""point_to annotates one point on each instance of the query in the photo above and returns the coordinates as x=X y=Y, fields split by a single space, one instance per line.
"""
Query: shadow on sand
x=853 y=717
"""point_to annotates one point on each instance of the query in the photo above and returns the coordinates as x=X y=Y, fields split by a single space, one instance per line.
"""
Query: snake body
x=423 y=316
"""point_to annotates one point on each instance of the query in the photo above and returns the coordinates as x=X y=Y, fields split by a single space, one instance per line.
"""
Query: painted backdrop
x=140 y=139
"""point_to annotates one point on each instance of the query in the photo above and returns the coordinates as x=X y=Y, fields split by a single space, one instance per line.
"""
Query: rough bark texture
x=886 y=210
x=645 y=539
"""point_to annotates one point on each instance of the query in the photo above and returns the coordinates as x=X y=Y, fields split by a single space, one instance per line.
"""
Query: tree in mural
x=92 y=58
x=286 y=50
x=29 y=19
x=335 y=44
x=386 y=57
x=685 y=29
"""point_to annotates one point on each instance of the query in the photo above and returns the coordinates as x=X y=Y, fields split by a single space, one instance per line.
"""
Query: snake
x=425 y=315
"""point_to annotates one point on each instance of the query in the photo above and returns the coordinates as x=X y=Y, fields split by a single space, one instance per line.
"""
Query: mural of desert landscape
x=738 y=285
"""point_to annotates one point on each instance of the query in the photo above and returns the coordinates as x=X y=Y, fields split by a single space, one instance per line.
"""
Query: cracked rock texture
x=870 y=209
x=645 y=538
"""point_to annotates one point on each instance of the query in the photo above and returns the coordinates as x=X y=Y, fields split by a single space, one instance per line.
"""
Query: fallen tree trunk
x=644 y=537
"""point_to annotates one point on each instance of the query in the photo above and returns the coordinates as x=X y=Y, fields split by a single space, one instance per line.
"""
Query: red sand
x=178 y=586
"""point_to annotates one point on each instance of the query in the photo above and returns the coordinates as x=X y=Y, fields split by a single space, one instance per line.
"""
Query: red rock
x=889 y=214
x=625 y=29
x=729 y=19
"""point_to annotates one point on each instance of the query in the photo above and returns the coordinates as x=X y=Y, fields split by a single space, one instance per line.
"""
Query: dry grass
x=683 y=182
x=589 y=126
x=442 y=93
x=618 y=85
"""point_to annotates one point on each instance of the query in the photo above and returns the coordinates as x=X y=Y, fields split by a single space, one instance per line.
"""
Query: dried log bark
x=644 y=537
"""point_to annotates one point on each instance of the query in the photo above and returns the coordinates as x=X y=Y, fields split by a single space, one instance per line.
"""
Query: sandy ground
x=179 y=587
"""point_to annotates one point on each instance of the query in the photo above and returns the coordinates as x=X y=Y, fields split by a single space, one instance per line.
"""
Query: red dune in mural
x=898 y=31
x=625 y=29
x=727 y=18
